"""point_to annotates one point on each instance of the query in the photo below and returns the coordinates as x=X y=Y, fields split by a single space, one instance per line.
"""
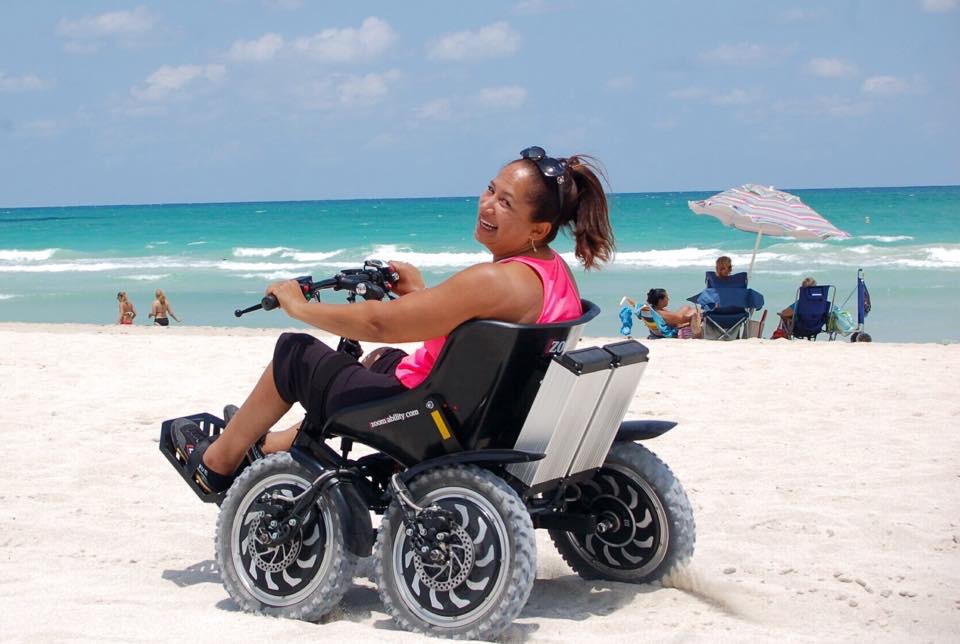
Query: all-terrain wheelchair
x=514 y=429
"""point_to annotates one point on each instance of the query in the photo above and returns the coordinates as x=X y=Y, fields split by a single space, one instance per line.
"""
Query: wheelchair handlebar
x=372 y=282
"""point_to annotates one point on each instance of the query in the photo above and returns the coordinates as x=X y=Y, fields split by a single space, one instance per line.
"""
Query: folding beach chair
x=811 y=312
x=657 y=327
x=655 y=323
x=736 y=280
x=727 y=311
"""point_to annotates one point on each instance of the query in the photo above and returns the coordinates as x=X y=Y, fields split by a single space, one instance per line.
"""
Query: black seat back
x=477 y=395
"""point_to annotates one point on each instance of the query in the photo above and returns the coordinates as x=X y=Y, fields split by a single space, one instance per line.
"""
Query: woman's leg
x=696 y=323
x=280 y=441
x=259 y=412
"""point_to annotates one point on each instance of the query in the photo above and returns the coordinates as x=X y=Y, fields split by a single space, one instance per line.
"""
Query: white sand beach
x=824 y=477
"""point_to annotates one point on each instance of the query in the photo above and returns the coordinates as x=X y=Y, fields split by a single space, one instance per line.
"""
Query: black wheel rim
x=636 y=542
x=456 y=593
x=287 y=573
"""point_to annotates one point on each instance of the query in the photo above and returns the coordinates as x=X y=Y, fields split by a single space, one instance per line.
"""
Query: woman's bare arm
x=674 y=319
x=510 y=292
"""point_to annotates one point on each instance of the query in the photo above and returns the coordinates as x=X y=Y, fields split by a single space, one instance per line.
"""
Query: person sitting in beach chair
x=685 y=322
x=736 y=280
x=809 y=314
x=724 y=275
x=731 y=311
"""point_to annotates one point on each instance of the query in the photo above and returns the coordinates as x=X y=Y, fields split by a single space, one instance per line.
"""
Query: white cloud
x=439 y=109
x=621 y=82
x=25 y=83
x=508 y=97
x=39 y=128
x=493 y=41
x=263 y=48
x=346 y=90
x=169 y=81
x=798 y=15
x=830 y=68
x=531 y=7
x=348 y=45
x=737 y=54
x=939 y=6
x=288 y=5
x=365 y=90
x=735 y=96
x=835 y=106
x=687 y=93
x=885 y=86
x=665 y=124
x=794 y=14
x=110 y=24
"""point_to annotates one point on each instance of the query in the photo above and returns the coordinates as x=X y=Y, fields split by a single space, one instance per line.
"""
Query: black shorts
x=325 y=381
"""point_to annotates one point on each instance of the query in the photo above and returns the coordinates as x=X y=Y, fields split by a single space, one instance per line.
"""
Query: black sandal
x=191 y=443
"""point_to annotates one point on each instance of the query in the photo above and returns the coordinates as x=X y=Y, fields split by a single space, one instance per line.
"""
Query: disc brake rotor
x=271 y=558
x=454 y=571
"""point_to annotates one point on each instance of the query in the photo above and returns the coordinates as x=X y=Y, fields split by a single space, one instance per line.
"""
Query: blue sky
x=158 y=102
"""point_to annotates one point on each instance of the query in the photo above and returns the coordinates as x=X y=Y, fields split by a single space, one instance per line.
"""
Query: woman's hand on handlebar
x=288 y=294
x=410 y=278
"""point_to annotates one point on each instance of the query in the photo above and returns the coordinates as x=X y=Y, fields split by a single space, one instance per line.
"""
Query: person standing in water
x=161 y=310
x=127 y=311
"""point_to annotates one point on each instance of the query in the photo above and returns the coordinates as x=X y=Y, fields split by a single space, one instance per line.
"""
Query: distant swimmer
x=866 y=219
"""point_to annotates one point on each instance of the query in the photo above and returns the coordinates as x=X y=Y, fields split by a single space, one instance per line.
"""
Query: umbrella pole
x=754 y=256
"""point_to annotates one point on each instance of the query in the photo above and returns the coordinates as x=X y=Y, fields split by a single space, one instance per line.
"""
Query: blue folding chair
x=811 y=311
x=656 y=325
x=736 y=280
x=727 y=306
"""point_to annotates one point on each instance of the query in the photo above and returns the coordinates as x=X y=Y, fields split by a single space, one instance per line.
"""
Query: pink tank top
x=560 y=302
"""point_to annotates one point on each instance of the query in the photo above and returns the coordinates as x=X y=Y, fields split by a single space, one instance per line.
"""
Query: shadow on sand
x=204 y=572
x=566 y=598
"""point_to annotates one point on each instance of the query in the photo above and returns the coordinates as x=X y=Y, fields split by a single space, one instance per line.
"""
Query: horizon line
x=394 y=198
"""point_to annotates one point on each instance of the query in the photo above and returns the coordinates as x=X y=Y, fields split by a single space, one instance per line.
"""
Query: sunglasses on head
x=549 y=167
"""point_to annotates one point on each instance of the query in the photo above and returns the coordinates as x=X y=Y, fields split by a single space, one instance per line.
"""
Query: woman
x=518 y=215
x=685 y=317
x=127 y=310
x=161 y=309
x=724 y=266
x=785 y=328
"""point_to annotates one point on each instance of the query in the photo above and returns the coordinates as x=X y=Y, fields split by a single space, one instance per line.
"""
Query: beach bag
x=841 y=321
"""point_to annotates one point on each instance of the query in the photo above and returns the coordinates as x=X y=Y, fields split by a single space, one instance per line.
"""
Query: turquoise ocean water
x=66 y=264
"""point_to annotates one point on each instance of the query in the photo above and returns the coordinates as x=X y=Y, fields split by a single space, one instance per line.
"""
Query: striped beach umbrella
x=766 y=211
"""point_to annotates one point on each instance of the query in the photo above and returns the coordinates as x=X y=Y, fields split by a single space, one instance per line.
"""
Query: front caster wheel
x=646 y=516
x=299 y=572
x=478 y=578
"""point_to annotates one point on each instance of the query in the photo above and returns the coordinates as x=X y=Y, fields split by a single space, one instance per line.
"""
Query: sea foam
x=259 y=252
x=887 y=239
x=15 y=255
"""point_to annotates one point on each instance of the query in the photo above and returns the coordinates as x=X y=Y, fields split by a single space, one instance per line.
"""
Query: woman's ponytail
x=583 y=208
x=587 y=212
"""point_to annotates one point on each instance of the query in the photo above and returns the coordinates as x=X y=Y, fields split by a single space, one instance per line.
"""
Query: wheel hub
x=267 y=557
x=449 y=564
x=616 y=516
